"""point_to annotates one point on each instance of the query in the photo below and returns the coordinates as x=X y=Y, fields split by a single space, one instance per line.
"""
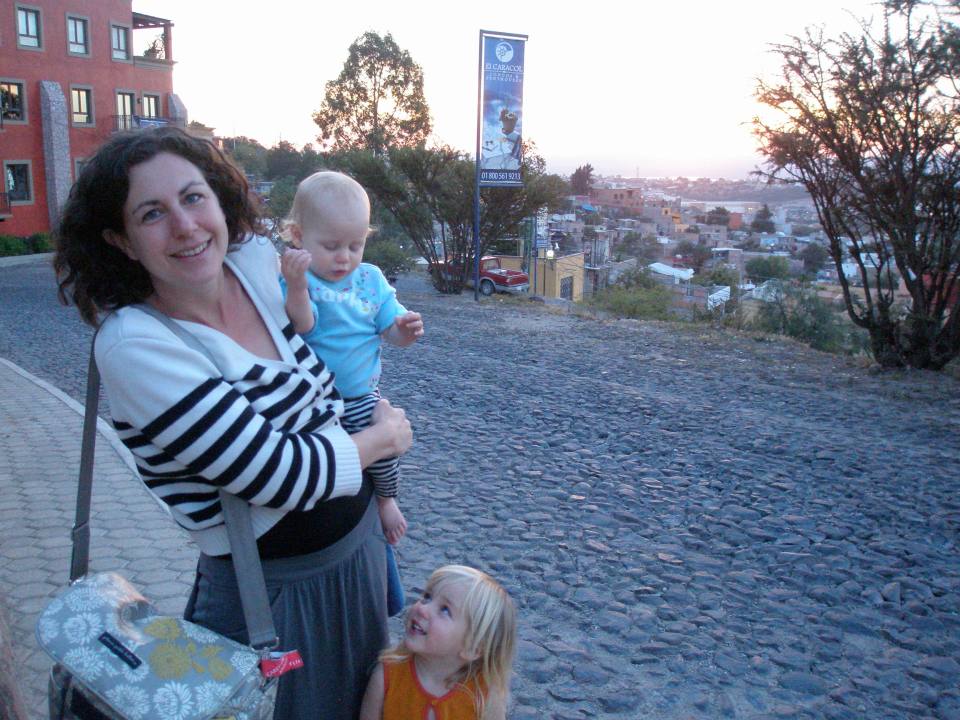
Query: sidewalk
x=39 y=459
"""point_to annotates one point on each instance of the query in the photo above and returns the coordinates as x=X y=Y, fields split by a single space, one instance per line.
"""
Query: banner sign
x=501 y=147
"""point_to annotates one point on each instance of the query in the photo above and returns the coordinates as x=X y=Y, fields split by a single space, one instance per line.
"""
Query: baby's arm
x=293 y=265
x=372 y=706
x=406 y=330
x=393 y=521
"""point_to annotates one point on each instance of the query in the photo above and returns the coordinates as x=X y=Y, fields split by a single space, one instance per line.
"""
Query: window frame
x=38 y=13
x=143 y=104
x=71 y=18
x=92 y=121
x=24 y=116
x=130 y=123
x=128 y=57
x=29 y=166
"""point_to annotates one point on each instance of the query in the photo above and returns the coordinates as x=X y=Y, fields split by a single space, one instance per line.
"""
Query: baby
x=344 y=309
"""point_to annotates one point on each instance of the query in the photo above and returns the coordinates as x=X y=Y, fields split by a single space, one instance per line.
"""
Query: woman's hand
x=389 y=434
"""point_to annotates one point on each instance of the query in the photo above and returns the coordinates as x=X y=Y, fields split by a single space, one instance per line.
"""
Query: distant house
x=669 y=275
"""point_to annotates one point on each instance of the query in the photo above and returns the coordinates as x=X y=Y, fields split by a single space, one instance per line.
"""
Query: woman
x=162 y=218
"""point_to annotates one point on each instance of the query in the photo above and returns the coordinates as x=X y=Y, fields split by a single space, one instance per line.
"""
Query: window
x=118 y=42
x=28 y=27
x=124 y=110
x=81 y=104
x=11 y=101
x=78 y=165
x=151 y=106
x=77 y=36
x=16 y=176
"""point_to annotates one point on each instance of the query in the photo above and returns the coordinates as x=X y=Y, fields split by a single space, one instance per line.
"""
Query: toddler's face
x=335 y=244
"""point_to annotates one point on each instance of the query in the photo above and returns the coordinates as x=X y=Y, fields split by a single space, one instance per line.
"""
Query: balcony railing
x=4 y=205
x=138 y=122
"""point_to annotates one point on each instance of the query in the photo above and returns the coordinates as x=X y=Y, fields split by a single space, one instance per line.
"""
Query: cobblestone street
x=694 y=524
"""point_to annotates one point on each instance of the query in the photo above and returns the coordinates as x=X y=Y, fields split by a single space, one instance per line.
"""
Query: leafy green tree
x=377 y=101
x=695 y=253
x=427 y=187
x=250 y=155
x=280 y=200
x=868 y=125
x=761 y=269
x=718 y=216
x=762 y=222
x=386 y=253
x=804 y=230
x=582 y=180
x=813 y=256
x=720 y=275
x=284 y=160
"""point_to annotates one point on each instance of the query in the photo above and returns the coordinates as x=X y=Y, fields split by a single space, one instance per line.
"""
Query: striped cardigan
x=266 y=430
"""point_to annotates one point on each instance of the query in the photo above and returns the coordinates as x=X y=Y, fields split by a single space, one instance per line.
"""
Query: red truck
x=495 y=278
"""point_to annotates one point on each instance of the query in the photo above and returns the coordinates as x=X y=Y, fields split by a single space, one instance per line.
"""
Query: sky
x=634 y=88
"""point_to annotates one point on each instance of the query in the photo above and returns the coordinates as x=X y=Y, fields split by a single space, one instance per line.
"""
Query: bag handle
x=236 y=512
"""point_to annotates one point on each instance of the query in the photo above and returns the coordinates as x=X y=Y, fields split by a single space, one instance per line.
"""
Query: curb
x=12 y=260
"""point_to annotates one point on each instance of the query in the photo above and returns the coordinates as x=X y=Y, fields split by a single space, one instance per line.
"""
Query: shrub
x=10 y=245
x=387 y=255
x=40 y=242
x=651 y=303
x=802 y=315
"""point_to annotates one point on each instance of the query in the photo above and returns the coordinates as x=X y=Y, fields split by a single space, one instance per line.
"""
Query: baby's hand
x=409 y=327
x=294 y=264
x=393 y=521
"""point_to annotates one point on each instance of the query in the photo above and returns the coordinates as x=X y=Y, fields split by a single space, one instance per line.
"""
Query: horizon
x=648 y=91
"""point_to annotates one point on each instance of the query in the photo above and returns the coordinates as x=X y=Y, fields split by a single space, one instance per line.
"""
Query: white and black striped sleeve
x=268 y=436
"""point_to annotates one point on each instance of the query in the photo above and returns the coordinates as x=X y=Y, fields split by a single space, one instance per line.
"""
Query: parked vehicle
x=495 y=278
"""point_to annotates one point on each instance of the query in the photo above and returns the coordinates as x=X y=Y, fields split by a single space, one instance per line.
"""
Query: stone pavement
x=39 y=458
x=694 y=524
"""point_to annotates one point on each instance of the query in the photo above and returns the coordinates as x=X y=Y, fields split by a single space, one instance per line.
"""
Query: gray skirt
x=330 y=605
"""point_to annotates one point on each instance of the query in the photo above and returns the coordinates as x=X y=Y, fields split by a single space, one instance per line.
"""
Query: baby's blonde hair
x=323 y=194
x=491 y=635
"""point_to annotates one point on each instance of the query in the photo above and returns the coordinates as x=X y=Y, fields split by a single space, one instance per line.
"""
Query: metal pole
x=476 y=180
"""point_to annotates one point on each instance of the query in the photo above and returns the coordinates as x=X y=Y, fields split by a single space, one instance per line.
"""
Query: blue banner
x=501 y=137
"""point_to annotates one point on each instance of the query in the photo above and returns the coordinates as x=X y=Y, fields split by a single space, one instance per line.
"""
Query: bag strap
x=80 y=535
x=236 y=511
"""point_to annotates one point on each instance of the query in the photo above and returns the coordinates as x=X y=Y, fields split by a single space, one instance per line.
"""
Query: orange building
x=69 y=77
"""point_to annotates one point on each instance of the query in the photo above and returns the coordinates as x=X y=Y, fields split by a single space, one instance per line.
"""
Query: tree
x=280 y=201
x=721 y=275
x=283 y=160
x=718 y=216
x=762 y=269
x=250 y=155
x=424 y=188
x=377 y=101
x=813 y=256
x=582 y=180
x=869 y=126
x=695 y=253
x=762 y=222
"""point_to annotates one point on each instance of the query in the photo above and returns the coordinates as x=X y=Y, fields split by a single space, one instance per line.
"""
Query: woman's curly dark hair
x=96 y=276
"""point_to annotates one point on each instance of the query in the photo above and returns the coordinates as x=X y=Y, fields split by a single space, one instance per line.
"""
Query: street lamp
x=548 y=256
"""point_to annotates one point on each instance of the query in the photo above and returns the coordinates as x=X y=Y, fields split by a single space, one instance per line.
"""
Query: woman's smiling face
x=173 y=224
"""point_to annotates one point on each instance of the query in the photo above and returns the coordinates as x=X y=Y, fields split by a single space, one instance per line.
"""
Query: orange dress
x=404 y=698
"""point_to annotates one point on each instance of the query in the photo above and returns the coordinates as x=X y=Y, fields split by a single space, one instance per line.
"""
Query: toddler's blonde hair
x=323 y=194
x=491 y=635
